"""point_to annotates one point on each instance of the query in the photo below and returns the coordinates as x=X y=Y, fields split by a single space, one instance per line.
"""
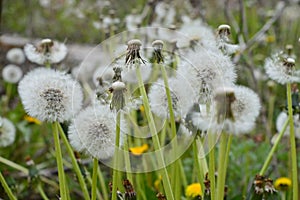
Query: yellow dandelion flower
x=193 y=190
x=139 y=150
x=282 y=183
x=142 y=108
x=32 y=120
x=157 y=182
x=270 y=39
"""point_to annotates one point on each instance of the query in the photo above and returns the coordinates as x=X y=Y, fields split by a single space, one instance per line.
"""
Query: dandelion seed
x=7 y=132
x=223 y=40
x=282 y=70
x=50 y=95
x=92 y=131
x=16 y=56
x=47 y=51
x=12 y=73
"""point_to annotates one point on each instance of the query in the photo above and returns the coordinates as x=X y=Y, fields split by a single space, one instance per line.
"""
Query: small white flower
x=16 y=56
x=7 y=132
x=281 y=119
x=93 y=131
x=12 y=73
x=50 y=95
x=181 y=95
x=282 y=70
x=47 y=51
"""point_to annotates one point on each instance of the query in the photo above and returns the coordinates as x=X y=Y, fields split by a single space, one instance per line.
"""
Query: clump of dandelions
x=282 y=70
x=7 y=132
x=47 y=51
x=50 y=95
x=16 y=56
x=93 y=130
x=12 y=73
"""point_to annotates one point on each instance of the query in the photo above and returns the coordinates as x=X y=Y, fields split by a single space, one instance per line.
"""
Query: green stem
x=14 y=165
x=283 y=195
x=42 y=192
x=94 y=181
x=102 y=183
x=74 y=163
x=59 y=161
x=127 y=160
x=293 y=144
x=6 y=188
x=116 y=158
x=201 y=156
x=155 y=139
x=274 y=148
x=200 y=174
x=211 y=169
x=221 y=167
x=175 y=169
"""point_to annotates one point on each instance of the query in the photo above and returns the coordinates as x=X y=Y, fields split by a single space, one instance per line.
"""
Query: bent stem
x=271 y=153
x=155 y=139
x=6 y=188
x=42 y=192
x=74 y=163
x=94 y=179
x=200 y=174
x=116 y=158
x=59 y=161
x=293 y=144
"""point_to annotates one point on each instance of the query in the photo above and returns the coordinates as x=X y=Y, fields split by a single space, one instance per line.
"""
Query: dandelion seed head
x=224 y=29
x=12 y=73
x=158 y=44
x=7 y=132
x=50 y=95
x=16 y=56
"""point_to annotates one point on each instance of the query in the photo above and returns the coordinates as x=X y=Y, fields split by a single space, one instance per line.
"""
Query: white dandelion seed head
x=134 y=43
x=16 y=56
x=46 y=51
x=12 y=73
x=282 y=118
x=224 y=27
x=50 y=95
x=7 y=132
x=181 y=95
x=158 y=44
x=93 y=131
x=281 y=71
x=207 y=70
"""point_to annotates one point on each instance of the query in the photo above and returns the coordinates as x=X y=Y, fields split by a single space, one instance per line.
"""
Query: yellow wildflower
x=282 y=183
x=157 y=182
x=32 y=120
x=139 y=150
x=193 y=190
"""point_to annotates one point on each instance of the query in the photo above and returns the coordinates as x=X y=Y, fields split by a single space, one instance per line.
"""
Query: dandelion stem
x=102 y=183
x=116 y=158
x=292 y=144
x=200 y=174
x=6 y=188
x=269 y=158
x=127 y=160
x=42 y=192
x=14 y=165
x=211 y=169
x=74 y=163
x=94 y=179
x=175 y=169
x=221 y=167
x=59 y=161
x=155 y=139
